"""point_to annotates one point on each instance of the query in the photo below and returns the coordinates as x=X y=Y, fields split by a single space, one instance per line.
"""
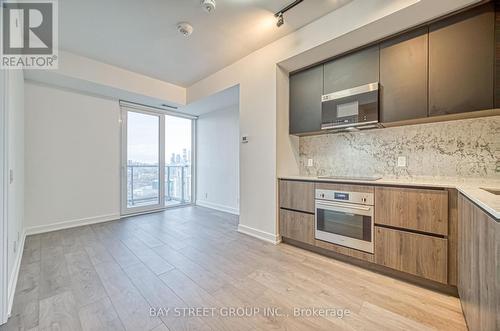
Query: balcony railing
x=143 y=184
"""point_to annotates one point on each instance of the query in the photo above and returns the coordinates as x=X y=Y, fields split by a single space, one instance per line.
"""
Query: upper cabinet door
x=403 y=77
x=461 y=62
x=305 y=100
x=352 y=70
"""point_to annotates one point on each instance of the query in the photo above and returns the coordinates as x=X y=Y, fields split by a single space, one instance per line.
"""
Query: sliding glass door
x=178 y=160
x=157 y=158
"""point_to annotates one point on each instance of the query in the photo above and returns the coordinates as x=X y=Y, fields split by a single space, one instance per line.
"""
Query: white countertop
x=470 y=187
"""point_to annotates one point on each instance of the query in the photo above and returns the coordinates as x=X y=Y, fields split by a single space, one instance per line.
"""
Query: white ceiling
x=141 y=36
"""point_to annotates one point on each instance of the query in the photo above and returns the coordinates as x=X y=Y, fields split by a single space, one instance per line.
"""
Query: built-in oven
x=352 y=108
x=345 y=218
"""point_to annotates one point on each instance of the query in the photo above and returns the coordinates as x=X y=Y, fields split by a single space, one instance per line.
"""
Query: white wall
x=72 y=158
x=85 y=74
x=218 y=160
x=15 y=190
x=271 y=152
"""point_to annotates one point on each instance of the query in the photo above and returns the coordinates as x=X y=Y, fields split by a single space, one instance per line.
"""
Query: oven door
x=345 y=224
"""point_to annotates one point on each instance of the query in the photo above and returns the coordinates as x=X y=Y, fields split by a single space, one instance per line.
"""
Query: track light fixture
x=280 y=20
x=279 y=14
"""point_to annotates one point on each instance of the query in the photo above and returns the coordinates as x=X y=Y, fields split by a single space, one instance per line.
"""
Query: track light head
x=279 y=15
x=280 y=21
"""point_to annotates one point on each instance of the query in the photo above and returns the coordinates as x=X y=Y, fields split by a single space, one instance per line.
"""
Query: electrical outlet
x=402 y=161
x=310 y=162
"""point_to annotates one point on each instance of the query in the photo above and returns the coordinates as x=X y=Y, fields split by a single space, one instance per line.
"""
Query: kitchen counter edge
x=489 y=202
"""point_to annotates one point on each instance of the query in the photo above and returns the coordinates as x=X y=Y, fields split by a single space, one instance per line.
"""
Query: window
x=178 y=159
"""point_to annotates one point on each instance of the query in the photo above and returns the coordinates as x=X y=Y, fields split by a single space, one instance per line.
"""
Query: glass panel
x=344 y=224
x=143 y=155
x=178 y=147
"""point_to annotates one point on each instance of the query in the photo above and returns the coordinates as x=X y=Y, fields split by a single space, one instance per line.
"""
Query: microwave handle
x=343 y=205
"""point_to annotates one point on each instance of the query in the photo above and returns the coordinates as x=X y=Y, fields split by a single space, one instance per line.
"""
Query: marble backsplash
x=463 y=148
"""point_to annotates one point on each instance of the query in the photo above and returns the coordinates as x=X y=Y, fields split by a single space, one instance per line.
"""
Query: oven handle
x=342 y=205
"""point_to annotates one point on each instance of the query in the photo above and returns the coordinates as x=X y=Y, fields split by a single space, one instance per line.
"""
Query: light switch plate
x=401 y=161
x=310 y=162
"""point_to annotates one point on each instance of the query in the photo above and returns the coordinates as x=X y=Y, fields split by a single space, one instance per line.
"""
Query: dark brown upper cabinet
x=352 y=70
x=404 y=77
x=446 y=67
x=461 y=62
x=306 y=88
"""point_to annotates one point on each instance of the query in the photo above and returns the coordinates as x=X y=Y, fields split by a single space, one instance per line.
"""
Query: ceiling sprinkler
x=208 y=5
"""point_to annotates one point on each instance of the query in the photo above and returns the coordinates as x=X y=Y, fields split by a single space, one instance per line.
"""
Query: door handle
x=342 y=205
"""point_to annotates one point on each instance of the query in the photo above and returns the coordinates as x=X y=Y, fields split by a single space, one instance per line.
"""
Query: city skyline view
x=143 y=159
x=143 y=138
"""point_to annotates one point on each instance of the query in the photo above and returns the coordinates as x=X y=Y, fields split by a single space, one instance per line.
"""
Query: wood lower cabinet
x=452 y=237
x=297 y=226
x=296 y=195
x=416 y=230
x=415 y=209
x=478 y=266
x=417 y=254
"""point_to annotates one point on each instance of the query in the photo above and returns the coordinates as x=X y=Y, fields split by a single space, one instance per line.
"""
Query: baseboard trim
x=70 y=224
x=259 y=234
x=15 y=274
x=218 y=207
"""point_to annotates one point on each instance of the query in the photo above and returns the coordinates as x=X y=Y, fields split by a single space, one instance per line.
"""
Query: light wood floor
x=108 y=276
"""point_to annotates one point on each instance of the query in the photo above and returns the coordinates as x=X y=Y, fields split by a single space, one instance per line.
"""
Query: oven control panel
x=341 y=196
x=344 y=196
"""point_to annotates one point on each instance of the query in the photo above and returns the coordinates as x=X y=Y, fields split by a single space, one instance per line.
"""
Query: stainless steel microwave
x=355 y=107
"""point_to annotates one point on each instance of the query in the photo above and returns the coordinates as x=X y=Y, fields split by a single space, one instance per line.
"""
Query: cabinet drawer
x=297 y=195
x=415 y=209
x=297 y=226
x=344 y=250
x=417 y=254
